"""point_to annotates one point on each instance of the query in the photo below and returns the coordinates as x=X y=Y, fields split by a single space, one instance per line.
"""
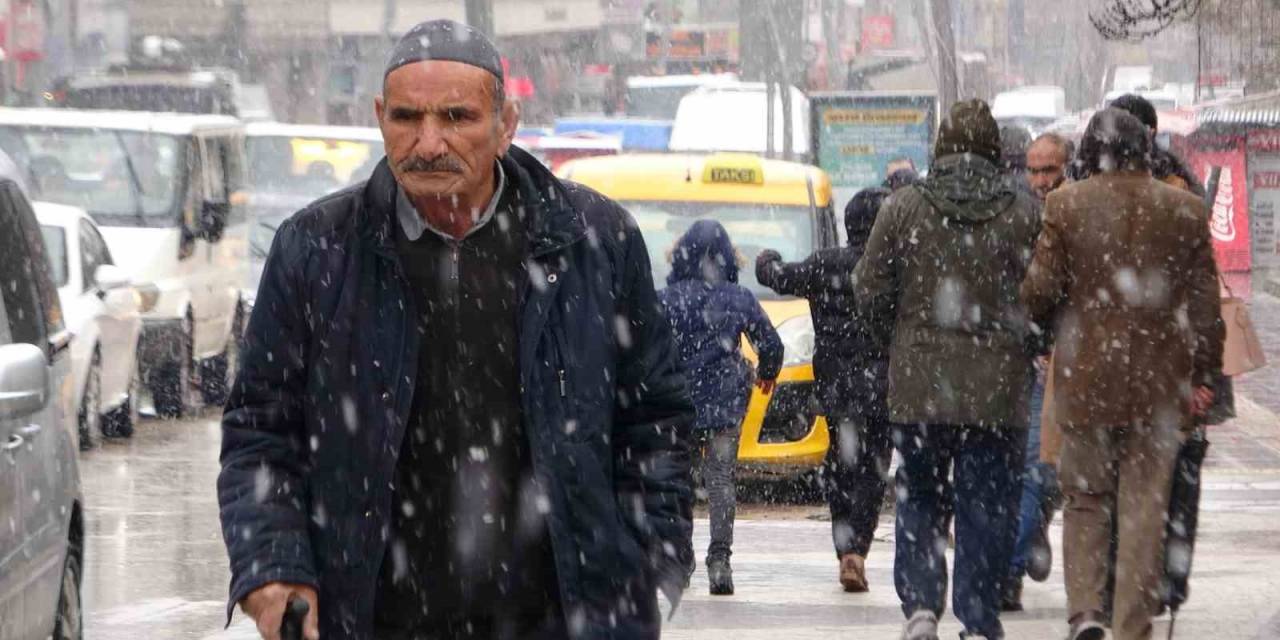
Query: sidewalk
x=785 y=575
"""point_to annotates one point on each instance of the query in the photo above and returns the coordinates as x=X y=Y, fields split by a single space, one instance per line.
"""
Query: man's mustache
x=438 y=164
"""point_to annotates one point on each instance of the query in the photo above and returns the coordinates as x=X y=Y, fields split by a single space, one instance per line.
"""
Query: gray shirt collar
x=415 y=225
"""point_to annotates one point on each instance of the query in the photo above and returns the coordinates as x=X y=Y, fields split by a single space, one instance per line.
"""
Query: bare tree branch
x=1138 y=19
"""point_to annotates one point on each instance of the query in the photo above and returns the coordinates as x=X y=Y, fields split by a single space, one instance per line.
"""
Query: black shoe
x=1040 y=555
x=1011 y=598
x=721 y=577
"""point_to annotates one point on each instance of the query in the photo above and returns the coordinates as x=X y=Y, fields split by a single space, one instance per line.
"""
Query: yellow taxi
x=763 y=204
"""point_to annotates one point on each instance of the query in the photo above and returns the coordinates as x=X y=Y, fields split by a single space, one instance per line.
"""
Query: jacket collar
x=550 y=220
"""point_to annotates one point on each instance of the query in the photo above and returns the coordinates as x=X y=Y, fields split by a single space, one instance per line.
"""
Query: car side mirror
x=213 y=220
x=109 y=277
x=24 y=380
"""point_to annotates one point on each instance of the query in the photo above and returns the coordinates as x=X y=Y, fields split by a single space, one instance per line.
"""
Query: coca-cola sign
x=1229 y=213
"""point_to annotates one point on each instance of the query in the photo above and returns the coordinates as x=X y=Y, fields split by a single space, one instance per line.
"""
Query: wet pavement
x=156 y=567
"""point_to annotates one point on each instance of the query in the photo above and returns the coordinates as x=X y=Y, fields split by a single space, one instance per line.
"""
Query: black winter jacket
x=851 y=359
x=313 y=428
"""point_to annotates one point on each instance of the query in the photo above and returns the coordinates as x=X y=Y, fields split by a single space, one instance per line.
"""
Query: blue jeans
x=1031 y=516
x=988 y=466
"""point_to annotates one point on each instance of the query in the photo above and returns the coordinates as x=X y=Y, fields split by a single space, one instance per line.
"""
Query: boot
x=923 y=625
x=1011 y=598
x=720 y=575
x=1087 y=630
x=853 y=573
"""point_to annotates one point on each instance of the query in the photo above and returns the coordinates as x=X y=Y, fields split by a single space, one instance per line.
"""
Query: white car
x=101 y=309
x=166 y=189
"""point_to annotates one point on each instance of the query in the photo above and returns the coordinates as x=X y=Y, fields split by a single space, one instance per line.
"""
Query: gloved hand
x=767 y=266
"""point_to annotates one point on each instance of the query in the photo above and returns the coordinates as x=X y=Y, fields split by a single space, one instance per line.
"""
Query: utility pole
x=945 y=46
x=480 y=16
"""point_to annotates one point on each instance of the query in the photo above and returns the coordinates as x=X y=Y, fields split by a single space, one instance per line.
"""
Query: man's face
x=441 y=130
x=1046 y=168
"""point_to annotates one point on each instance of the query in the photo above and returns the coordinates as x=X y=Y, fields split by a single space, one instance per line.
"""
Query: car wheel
x=218 y=373
x=172 y=386
x=90 y=416
x=70 y=621
x=120 y=422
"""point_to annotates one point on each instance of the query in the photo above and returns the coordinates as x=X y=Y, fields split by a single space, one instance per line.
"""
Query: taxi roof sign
x=733 y=168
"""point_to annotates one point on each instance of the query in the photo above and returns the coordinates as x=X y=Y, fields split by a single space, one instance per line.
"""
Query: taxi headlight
x=797 y=339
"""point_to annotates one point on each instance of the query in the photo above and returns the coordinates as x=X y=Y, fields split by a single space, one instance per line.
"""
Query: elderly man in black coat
x=459 y=413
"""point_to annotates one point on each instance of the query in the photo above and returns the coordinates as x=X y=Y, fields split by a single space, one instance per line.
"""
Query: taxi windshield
x=752 y=227
x=285 y=166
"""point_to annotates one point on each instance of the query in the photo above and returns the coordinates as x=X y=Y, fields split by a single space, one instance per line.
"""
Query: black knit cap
x=969 y=129
x=445 y=40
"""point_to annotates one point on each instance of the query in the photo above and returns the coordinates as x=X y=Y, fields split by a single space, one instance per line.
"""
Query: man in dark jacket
x=459 y=412
x=851 y=365
x=945 y=259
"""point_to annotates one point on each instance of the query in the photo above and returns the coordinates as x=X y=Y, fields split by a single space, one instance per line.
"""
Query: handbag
x=1242 y=349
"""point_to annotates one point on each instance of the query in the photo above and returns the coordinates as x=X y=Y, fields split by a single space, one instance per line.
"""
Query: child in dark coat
x=709 y=313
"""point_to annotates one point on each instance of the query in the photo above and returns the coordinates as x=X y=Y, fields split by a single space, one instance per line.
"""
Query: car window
x=93 y=252
x=55 y=244
x=124 y=177
x=19 y=270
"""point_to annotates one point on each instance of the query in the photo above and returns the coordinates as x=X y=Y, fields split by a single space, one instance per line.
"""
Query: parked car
x=290 y=165
x=762 y=204
x=41 y=508
x=101 y=308
x=165 y=190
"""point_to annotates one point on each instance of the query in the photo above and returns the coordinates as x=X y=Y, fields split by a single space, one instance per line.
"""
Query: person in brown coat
x=1124 y=273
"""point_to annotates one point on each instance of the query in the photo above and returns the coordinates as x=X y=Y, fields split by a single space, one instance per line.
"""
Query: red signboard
x=1229 y=218
x=877 y=32
x=28 y=32
x=1267 y=141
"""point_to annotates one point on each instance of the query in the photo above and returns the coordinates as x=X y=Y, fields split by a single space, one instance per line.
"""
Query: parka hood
x=704 y=253
x=967 y=188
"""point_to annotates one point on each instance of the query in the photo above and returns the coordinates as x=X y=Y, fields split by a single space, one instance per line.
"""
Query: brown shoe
x=853 y=573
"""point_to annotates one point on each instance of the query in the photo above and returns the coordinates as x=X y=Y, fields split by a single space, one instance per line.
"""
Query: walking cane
x=294 y=615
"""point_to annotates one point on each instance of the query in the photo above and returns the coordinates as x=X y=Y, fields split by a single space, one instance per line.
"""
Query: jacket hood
x=704 y=253
x=551 y=223
x=967 y=188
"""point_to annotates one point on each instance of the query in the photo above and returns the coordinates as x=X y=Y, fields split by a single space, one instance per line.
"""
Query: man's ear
x=379 y=106
x=510 y=122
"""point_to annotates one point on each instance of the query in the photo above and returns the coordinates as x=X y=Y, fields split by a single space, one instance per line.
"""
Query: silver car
x=41 y=509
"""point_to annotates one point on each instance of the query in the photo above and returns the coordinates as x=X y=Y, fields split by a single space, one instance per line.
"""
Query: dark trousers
x=988 y=473
x=714 y=464
x=854 y=478
x=546 y=626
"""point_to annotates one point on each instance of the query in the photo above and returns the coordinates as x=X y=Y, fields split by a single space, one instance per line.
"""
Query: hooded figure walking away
x=945 y=259
x=1124 y=271
x=459 y=413
x=709 y=313
x=851 y=365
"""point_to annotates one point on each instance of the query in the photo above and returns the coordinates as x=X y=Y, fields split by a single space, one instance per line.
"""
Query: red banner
x=1266 y=140
x=1229 y=219
x=877 y=33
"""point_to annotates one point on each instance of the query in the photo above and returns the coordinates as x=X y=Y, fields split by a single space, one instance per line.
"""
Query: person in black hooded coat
x=851 y=365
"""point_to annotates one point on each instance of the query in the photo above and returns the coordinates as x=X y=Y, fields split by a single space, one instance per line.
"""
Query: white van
x=733 y=117
x=165 y=191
